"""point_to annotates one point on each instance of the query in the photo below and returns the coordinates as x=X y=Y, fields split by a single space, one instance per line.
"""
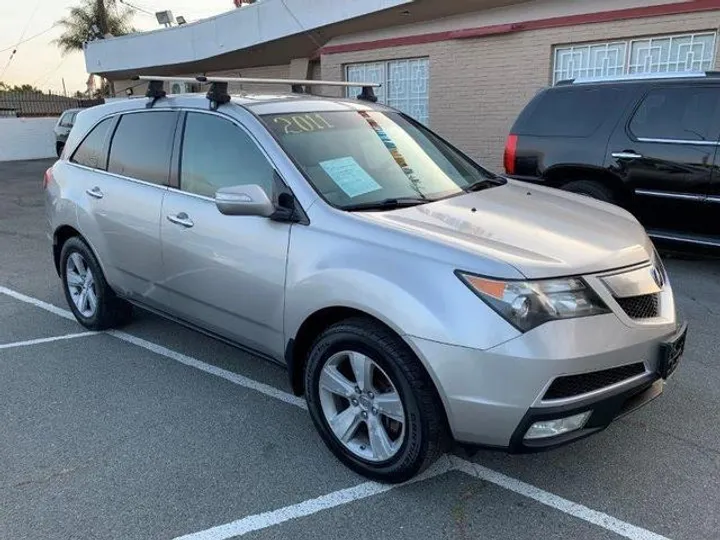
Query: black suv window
x=216 y=153
x=684 y=114
x=90 y=152
x=568 y=112
x=142 y=145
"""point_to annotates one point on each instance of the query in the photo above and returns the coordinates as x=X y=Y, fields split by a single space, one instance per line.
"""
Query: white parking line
x=366 y=489
x=549 y=499
x=310 y=507
x=213 y=370
x=64 y=313
x=45 y=340
x=163 y=351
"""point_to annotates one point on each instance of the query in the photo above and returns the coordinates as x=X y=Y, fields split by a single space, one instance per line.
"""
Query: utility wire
x=28 y=39
x=315 y=41
x=136 y=8
x=7 y=64
x=50 y=74
x=22 y=35
x=27 y=24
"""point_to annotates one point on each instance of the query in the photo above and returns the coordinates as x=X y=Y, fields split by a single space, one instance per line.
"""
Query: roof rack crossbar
x=297 y=85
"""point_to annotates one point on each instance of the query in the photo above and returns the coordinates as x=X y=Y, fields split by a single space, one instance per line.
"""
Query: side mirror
x=247 y=200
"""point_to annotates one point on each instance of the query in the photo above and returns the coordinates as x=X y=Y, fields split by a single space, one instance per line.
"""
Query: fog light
x=552 y=428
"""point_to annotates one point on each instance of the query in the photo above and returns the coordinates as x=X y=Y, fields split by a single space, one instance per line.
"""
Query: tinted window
x=216 y=153
x=568 y=112
x=142 y=146
x=90 y=152
x=677 y=113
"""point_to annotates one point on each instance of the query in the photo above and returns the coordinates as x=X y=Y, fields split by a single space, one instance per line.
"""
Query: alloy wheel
x=362 y=406
x=80 y=282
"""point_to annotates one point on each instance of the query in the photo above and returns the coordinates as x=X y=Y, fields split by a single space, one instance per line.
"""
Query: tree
x=105 y=15
x=19 y=88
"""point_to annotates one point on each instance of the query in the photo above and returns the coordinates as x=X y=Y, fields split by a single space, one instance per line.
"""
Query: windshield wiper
x=479 y=185
x=386 y=204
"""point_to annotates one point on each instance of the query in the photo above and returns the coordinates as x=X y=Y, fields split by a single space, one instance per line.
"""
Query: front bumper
x=493 y=396
x=605 y=408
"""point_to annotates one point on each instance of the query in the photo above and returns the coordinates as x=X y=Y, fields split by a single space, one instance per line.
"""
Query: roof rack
x=639 y=77
x=217 y=94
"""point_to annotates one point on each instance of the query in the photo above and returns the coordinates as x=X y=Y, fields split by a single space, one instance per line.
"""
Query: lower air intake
x=575 y=385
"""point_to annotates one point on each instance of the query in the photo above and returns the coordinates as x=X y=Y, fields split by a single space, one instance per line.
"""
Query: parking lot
x=156 y=431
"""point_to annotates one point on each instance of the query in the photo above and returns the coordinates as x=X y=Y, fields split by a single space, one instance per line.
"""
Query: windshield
x=358 y=158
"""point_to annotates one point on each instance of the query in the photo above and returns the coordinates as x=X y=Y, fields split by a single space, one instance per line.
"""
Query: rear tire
x=92 y=301
x=591 y=188
x=398 y=449
x=59 y=147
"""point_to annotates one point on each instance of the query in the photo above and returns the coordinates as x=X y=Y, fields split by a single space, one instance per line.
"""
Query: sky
x=40 y=63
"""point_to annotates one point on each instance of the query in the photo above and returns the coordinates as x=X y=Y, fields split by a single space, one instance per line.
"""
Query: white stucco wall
x=26 y=138
x=234 y=30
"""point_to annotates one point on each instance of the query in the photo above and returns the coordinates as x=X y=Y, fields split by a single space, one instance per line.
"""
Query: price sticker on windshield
x=350 y=176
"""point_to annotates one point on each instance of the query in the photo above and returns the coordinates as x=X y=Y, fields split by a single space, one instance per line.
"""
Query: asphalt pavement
x=160 y=432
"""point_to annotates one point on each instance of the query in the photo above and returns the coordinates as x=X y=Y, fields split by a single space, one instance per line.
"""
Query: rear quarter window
x=568 y=112
x=91 y=152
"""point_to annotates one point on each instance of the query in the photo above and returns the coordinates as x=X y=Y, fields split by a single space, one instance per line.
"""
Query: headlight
x=527 y=304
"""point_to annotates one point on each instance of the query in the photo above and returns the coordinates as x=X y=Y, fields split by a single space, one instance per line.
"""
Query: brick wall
x=478 y=86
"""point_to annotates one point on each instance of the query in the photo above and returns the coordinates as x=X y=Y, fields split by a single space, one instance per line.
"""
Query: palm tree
x=105 y=15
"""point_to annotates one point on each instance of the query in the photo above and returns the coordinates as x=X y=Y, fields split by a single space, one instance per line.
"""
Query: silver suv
x=416 y=298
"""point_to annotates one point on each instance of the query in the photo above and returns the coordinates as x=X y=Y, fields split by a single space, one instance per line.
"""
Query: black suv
x=647 y=144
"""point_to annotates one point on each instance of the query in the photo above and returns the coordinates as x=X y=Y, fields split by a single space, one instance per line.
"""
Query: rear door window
x=568 y=112
x=142 y=146
x=91 y=152
x=677 y=114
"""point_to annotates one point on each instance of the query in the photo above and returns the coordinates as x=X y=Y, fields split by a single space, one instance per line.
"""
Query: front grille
x=646 y=306
x=575 y=385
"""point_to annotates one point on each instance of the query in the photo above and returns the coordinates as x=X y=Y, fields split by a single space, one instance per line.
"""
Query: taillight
x=47 y=178
x=510 y=154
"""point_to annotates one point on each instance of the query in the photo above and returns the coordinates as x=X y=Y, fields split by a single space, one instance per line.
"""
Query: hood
x=542 y=232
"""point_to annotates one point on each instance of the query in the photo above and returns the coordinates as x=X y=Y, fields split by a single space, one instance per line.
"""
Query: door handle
x=95 y=192
x=181 y=219
x=626 y=155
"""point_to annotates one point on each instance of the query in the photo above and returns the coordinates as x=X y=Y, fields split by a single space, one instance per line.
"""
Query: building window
x=405 y=84
x=659 y=54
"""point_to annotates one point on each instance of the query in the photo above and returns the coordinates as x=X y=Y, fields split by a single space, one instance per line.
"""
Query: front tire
x=92 y=301
x=372 y=402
